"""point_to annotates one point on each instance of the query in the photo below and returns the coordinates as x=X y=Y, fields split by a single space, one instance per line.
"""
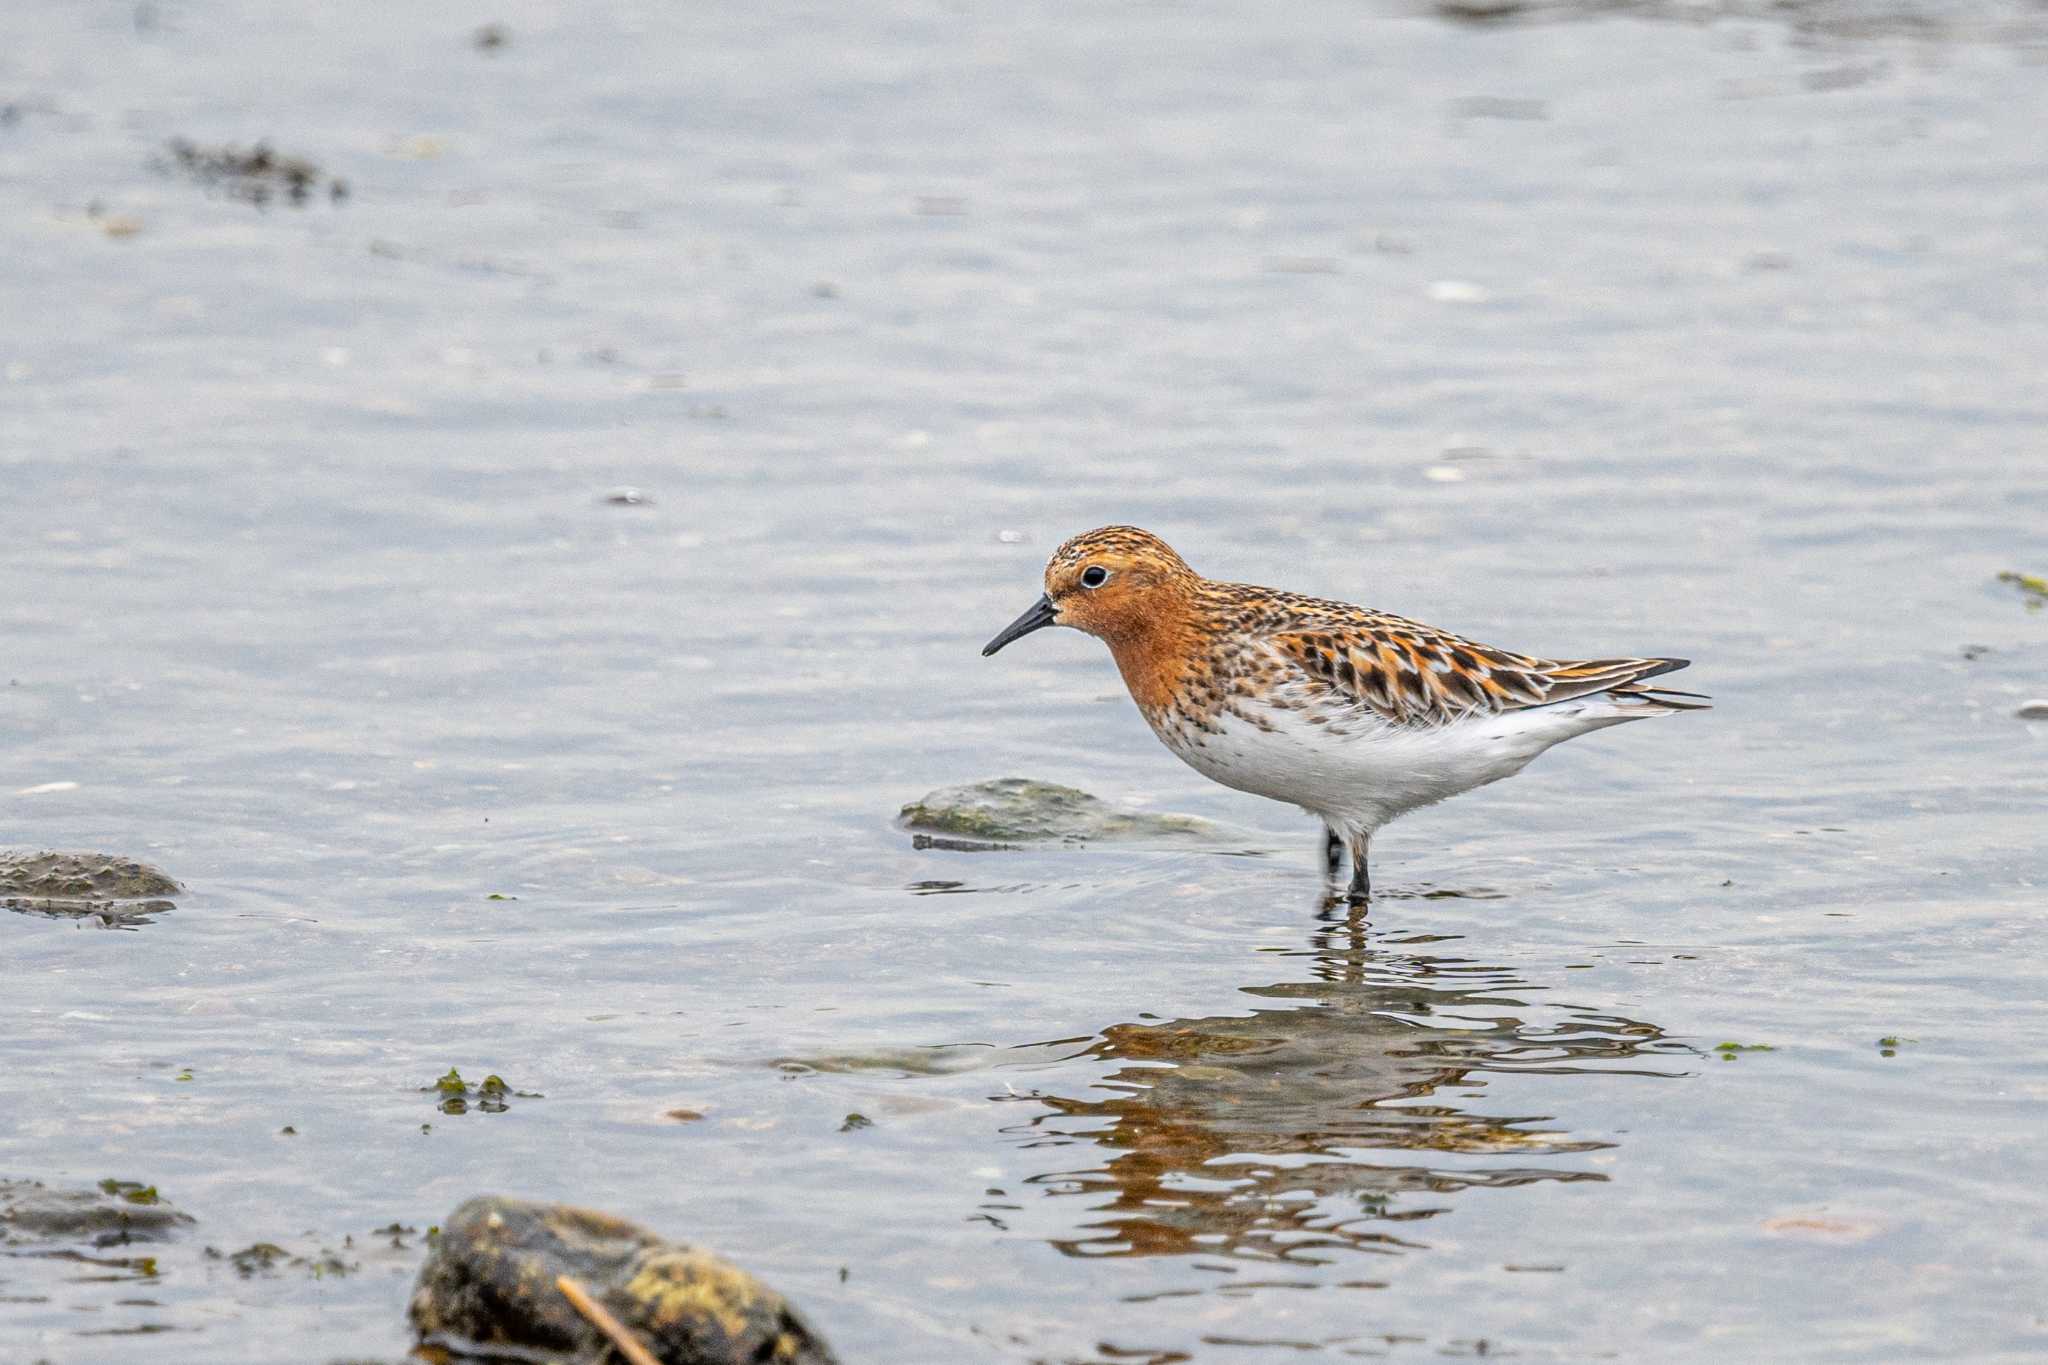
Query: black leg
x=1360 y=890
x=1333 y=850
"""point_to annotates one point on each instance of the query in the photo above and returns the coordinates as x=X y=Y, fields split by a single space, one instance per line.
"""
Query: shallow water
x=1650 y=332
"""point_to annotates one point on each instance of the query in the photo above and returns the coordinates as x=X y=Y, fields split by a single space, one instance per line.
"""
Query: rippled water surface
x=1665 y=330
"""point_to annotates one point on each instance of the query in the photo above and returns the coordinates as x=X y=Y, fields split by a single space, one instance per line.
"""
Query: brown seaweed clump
x=255 y=175
x=490 y=1284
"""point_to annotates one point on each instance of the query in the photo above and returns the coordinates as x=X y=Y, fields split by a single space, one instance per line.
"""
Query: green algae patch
x=489 y=1285
x=492 y=1095
x=1011 y=812
x=1728 y=1052
x=2033 y=588
x=131 y=1191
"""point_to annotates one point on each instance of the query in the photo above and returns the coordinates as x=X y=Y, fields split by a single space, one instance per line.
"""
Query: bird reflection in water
x=1341 y=1118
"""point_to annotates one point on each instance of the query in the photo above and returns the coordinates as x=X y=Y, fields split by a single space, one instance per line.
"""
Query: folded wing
x=1412 y=674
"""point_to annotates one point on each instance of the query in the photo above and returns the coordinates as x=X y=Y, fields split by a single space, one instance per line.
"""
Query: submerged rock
x=116 y=1212
x=1015 y=810
x=112 y=889
x=490 y=1285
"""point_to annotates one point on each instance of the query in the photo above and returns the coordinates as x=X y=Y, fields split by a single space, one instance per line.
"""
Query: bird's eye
x=1094 y=576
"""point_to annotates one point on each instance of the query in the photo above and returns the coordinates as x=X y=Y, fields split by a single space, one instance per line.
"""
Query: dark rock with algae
x=490 y=1285
x=114 y=1213
x=107 y=887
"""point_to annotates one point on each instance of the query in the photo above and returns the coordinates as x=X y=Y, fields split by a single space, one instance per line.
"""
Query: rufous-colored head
x=1116 y=582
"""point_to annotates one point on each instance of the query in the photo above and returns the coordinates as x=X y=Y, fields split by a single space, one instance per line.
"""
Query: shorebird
x=1357 y=716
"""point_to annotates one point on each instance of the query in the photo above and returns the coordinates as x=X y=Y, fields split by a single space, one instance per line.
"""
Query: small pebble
x=2033 y=710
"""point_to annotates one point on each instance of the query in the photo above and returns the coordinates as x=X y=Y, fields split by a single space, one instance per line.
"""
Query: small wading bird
x=1354 y=715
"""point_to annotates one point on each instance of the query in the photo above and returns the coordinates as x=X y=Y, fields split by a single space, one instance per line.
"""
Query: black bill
x=1037 y=617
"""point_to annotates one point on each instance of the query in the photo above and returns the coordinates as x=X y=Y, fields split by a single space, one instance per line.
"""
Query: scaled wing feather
x=1411 y=674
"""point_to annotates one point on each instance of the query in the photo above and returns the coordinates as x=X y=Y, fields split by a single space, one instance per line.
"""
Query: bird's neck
x=1161 y=653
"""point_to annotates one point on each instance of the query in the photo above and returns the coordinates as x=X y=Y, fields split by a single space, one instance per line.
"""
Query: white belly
x=1358 y=772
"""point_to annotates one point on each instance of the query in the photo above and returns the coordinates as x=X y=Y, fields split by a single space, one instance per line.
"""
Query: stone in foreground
x=489 y=1286
x=1017 y=810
